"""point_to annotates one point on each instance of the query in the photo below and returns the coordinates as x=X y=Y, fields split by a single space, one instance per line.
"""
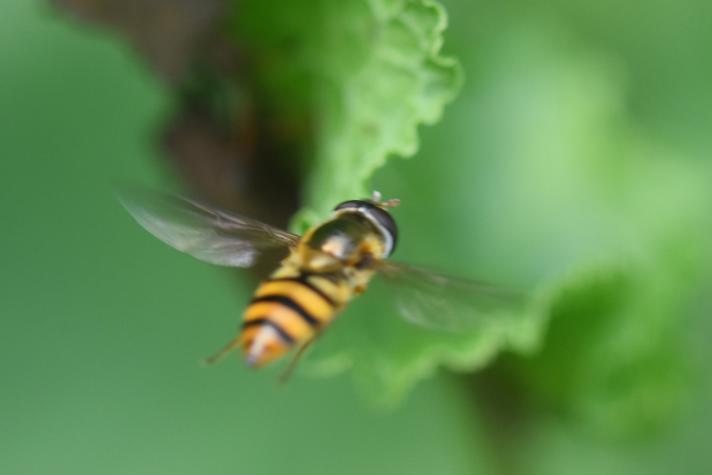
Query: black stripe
x=304 y=279
x=288 y=302
x=286 y=337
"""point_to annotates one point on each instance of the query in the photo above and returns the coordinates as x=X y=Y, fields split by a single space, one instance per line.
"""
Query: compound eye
x=386 y=221
x=351 y=204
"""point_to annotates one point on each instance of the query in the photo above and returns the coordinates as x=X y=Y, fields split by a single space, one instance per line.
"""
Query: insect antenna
x=376 y=198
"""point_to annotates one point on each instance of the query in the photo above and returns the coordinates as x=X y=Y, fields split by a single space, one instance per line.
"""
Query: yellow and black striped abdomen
x=284 y=312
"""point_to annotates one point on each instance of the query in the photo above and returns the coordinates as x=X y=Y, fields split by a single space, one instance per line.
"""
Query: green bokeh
x=102 y=328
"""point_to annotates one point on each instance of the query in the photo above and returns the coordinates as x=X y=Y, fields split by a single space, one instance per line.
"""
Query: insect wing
x=206 y=233
x=439 y=301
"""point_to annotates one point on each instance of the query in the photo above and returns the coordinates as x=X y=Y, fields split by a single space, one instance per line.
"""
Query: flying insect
x=323 y=270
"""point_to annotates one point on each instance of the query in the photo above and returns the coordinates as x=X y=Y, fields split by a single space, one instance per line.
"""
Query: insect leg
x=287 y=373
x=232 y=344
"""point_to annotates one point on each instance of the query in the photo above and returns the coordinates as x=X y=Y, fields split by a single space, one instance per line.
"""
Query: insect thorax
x=337 y=257
x=348 y=239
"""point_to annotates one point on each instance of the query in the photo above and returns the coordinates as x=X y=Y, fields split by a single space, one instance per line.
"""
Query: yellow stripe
x=339 y=292
x=286 y=318
x=302 y=295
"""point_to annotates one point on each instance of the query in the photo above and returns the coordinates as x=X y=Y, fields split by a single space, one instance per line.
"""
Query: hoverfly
x=322 y=272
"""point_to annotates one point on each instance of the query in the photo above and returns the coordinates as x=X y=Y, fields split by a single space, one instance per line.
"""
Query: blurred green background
x=574 y=163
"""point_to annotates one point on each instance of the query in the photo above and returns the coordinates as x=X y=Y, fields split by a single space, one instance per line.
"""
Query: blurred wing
x=438 y=301
x=206 y=233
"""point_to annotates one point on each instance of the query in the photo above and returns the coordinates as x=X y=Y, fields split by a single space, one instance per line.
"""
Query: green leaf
x=550 y=187
x=569 y=192
x=612 y=355
x=364 y=73
x=553 y=190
